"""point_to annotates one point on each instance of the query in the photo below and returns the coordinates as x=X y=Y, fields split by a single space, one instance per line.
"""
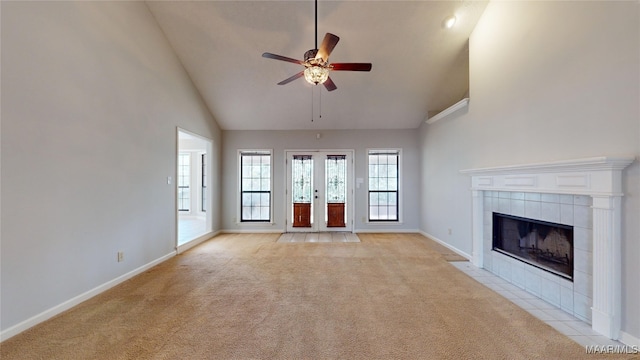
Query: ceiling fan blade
x=329 y=85
x=328 y=43
x=288 y=80
x=280 y=57
x=351 y=66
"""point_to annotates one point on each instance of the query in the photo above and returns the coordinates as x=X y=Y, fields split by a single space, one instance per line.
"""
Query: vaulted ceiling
x=419 y=66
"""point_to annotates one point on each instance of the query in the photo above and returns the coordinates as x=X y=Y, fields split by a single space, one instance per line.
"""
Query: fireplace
x=584 y=193
x=546 y=245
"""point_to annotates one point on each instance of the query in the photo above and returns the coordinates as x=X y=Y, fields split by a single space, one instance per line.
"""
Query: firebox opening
x=546 y=245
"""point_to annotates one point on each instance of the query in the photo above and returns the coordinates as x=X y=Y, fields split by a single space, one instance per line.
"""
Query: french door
x=319 y=191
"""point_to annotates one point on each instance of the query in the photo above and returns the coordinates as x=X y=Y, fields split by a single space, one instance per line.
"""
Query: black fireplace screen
x=546 y=245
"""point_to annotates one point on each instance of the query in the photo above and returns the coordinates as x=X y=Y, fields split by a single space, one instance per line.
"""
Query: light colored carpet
x=242 y=296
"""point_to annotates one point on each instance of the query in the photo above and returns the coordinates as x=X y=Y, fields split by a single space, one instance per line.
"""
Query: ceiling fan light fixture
x=316 y=74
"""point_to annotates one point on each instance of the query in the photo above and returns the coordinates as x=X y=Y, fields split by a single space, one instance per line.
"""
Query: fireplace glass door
x=548 y=246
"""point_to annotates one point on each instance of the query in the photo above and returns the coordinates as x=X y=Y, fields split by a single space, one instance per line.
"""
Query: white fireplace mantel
x=598 y=177
x=590 y=176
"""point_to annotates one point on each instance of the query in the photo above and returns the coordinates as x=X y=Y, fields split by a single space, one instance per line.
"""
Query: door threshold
x=319 y=237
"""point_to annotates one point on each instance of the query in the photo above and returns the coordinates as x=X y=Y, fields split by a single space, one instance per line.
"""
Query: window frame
x=388 y=151
x=254 y=152
x=180 y=180
x=203 y=182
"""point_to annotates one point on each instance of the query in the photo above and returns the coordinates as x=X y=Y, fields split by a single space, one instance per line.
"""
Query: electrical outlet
x=449 y=231
x=120 y=256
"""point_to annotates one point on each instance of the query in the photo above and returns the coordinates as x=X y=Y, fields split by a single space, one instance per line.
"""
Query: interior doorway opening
x=193 y=184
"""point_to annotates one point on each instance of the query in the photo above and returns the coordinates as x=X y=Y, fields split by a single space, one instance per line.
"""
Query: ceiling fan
x=316 y=61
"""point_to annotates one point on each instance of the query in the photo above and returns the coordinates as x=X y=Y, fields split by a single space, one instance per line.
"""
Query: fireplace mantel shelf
x=599 y=163
x=596 y=176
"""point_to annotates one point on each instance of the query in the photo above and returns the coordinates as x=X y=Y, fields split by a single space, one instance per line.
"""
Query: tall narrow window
x=184 y=179
x=255 y=186
x=203 y=177
x=383 y=185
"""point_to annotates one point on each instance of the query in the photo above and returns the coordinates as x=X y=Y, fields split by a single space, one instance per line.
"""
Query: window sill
x=384 y=223
x=255 y=223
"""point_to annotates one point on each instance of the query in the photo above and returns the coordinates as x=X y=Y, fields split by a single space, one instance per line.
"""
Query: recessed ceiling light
x=449 y=22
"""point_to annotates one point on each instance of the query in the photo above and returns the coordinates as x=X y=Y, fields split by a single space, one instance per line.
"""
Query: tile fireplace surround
x=583 y=193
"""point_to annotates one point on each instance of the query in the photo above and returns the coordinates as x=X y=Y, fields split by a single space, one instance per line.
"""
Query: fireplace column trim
x=477 y=203
x=607 y=272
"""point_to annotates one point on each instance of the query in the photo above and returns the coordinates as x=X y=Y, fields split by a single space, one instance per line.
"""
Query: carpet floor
x=241 y=296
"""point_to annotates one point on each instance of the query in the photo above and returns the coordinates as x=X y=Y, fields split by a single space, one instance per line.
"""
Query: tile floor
x=322 y=237
x=190 y=228
x=568 y=325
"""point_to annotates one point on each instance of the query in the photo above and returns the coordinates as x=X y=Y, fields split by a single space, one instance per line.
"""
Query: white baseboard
x=448 y=246
x=197 y=241
x=47 y=314
x=252 y=231
x=276 y=231
x=629 y=339
x=387 y=230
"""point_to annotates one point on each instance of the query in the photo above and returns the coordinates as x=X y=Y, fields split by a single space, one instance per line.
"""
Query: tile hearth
x=570 y=326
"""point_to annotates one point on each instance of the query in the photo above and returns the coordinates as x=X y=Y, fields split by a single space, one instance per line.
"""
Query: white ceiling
x=419 y=67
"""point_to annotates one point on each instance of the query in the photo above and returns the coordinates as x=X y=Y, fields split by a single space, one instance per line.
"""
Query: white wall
x=92 y=94
x=360 y=141
x=548 y=81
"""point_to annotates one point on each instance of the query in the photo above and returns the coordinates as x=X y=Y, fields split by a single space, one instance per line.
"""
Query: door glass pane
x=335 y=172
x=302 y=171
x=335 y=177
